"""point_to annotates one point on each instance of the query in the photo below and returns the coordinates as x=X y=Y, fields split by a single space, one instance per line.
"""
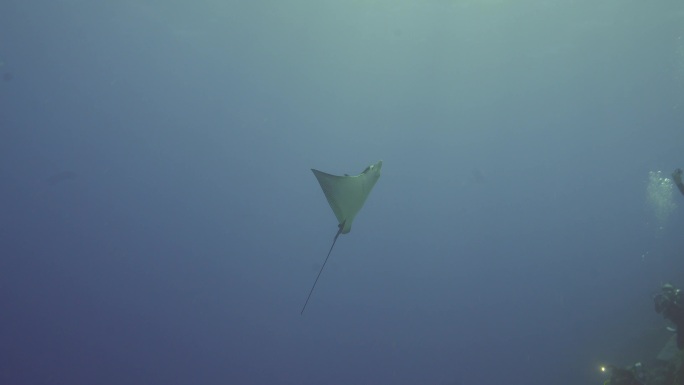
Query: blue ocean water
x=159 y=222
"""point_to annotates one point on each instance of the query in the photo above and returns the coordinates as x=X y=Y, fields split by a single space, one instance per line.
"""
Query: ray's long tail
x=322 y=267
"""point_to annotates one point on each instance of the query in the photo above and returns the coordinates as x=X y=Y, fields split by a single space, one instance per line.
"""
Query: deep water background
x=159 y=223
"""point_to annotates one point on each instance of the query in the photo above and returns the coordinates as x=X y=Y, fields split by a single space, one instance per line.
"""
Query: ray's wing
x=347 y=194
